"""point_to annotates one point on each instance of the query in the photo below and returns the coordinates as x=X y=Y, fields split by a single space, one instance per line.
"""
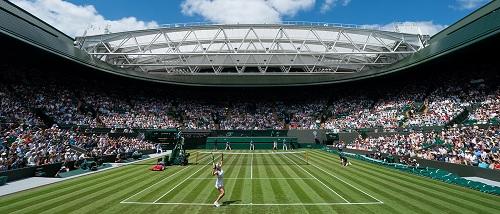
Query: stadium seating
x=121 y=118
x=468 y=145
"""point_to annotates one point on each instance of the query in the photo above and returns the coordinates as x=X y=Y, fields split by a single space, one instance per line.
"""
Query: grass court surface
x=255 y=183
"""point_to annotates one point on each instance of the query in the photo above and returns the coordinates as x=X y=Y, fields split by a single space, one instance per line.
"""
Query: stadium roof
x=199 y=48
x=321 y=59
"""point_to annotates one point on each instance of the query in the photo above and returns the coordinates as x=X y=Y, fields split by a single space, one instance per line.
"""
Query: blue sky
x=356 y=12
x=74 y=15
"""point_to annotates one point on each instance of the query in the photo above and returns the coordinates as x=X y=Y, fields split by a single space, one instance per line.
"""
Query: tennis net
x=256 y=158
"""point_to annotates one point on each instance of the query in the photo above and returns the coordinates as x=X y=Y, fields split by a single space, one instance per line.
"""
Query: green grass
x=259 y=184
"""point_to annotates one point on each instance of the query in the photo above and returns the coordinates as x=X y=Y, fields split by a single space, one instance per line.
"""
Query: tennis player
x=228 y=145
x=252 y=145
x=219 y=183
x=275 y=145
x=343 y=159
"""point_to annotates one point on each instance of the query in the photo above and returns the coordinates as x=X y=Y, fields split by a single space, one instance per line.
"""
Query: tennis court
x=260 y=178
x=312 y=182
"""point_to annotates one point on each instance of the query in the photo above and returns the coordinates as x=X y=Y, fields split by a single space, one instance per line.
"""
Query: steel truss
x=234 y=48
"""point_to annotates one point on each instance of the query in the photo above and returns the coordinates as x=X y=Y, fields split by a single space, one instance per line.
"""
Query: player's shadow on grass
x=226 y=203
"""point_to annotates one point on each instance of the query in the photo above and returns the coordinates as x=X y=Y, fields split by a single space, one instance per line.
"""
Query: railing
x=394 y=27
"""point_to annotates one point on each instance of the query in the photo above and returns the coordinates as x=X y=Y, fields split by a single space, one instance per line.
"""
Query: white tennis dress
x=220 y=179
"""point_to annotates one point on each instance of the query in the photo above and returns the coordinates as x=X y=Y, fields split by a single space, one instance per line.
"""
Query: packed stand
x=27 y=98
x=145 y=113
x=488 y=110
x=110 y=110
x=441 y=106
x=14 y=109
x=387 y=111
x=30 y=146
x=468 y=145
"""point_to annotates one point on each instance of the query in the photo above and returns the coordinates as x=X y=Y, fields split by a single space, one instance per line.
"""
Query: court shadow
x=226 y=203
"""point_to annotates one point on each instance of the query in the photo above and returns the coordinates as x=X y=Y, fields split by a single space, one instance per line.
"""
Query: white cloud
x=291 y=7
x=74 y=20
x=245 y=11
x=329 y=4
x=422 y=27
x=468 y=4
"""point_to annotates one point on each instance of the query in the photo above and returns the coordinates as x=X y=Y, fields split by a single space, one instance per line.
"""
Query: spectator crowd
x=31 y=105
x=25 y=146
x=24 y=104
x=468 y=145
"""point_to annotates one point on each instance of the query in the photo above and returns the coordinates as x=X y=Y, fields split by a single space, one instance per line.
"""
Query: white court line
x=252 y=204
x=318 y=180
x=251 y=168
x=254 y=178
x=156 y=183
x=180 y=183
x=346 y=182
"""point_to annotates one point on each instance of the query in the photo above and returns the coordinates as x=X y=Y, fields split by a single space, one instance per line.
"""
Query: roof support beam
x=285 y=47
